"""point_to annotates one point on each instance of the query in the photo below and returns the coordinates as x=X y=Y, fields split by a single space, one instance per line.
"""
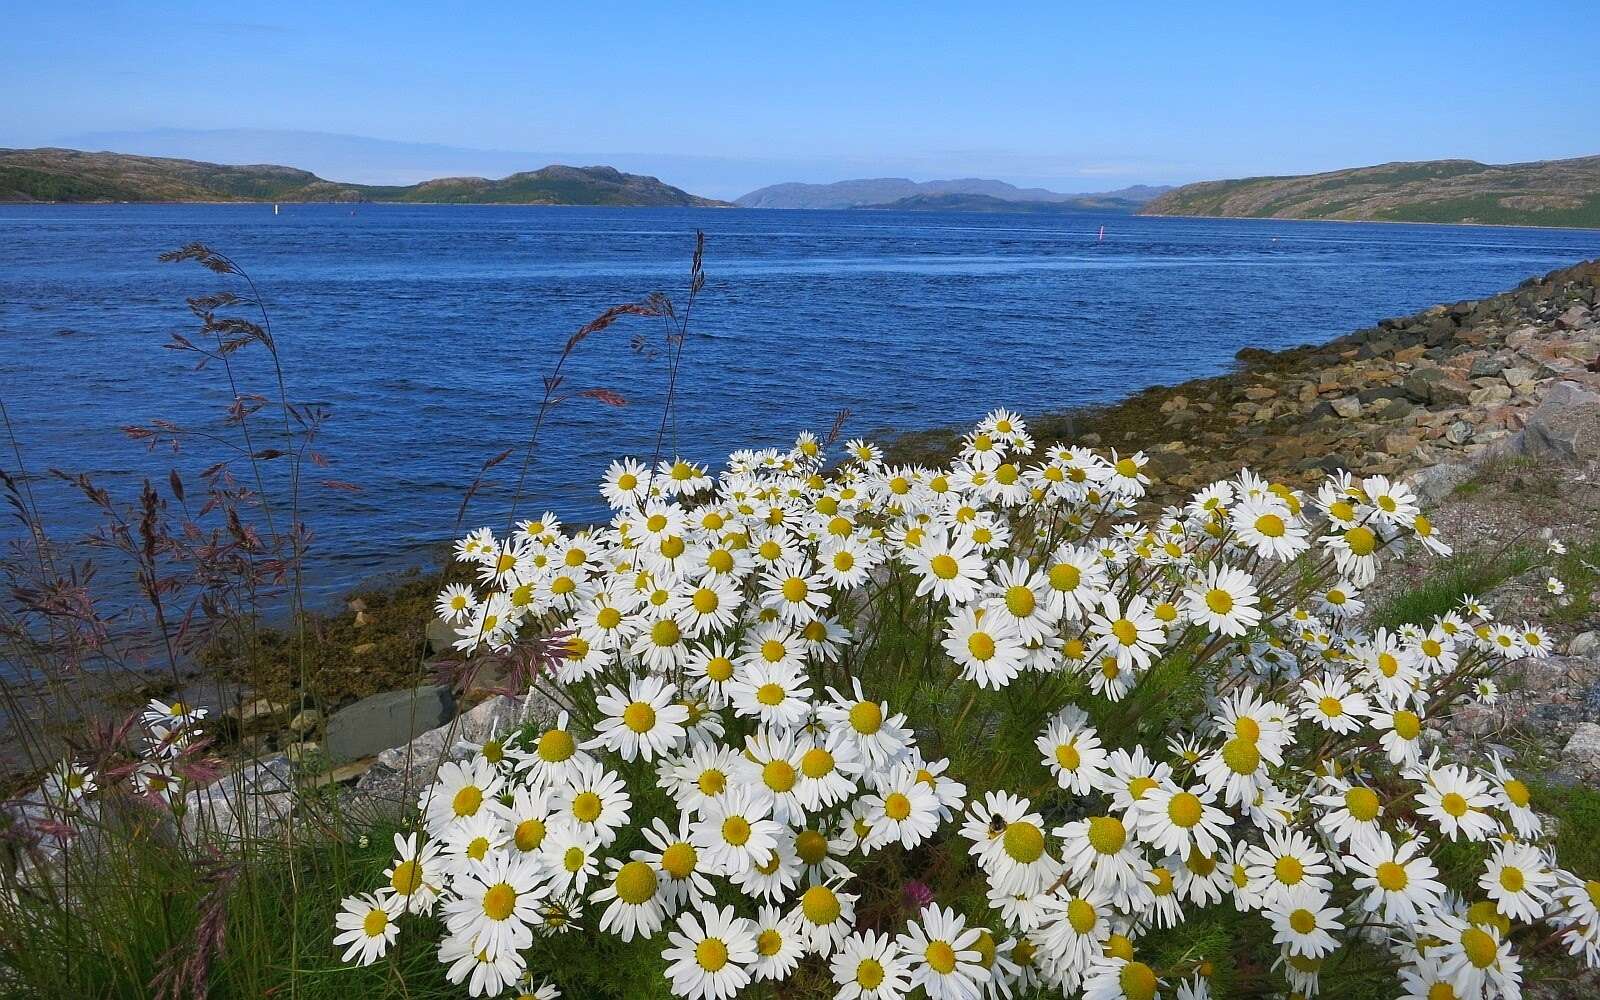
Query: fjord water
x=425 y=330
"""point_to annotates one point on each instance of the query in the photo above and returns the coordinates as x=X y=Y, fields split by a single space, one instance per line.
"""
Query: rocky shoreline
x=1441 y=385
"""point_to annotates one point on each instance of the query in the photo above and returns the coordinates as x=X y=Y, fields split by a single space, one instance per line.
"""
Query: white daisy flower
x=644 y=723
x=941 y=951
x=870 y=966
x=366 y=926
x=709 y=953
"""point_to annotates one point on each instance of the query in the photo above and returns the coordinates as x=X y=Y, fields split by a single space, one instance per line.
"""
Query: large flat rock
x=387 y=719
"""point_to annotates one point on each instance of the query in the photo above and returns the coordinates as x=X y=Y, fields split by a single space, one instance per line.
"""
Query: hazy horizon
x=733 y=99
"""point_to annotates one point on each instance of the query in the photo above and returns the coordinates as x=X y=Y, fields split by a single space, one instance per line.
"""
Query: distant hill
x=887 y=190
x=68 y=175
x=1542 y=193
x=986 y=203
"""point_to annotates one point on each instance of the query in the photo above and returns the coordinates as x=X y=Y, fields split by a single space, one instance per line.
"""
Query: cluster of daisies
x=725 y=773
x=161 y=773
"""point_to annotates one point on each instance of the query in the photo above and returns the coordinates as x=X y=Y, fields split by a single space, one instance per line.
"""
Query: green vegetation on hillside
x=65 y=175
x=1544 y=193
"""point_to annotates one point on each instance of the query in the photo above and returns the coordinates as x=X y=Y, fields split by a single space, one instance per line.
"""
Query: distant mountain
x=1541 y=193
x=70 y=175
x=987 y=203
x=886 y=190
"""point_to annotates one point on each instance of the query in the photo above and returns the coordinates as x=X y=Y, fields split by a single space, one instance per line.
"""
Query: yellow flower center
x=768 y=943
x=1303 y=921
x=1065 y=577
x=869 y=974
x=573 y=859
x=944 y=567
x=375 y=922
x=1119 y=946
x=1241 y=755
x=819 y=905
x=719 y=668
x=1511 y=879
x=1126 y=631
x=812 y=846
x=981 y=646
x=1138 y=981
x=1479 y=946
x=736 y=830
x=711 y=954
x=477 y=848
x=1219 y=601
x=499 y=901
x=1518 y=793
x=1407 y=725
x=896 y=806
x=1023 y=842
x=1247 y=728
x=679 y=859
x=636 y=883
x=941 y=958
x=779 y=775
x=1391 y=876
x=407 y=878
x=1184 y=809
x=1362 y=804
x=1270 y=526
x=1361 y=540
x=1107 y=834
x=770 y=694
x=586 y=807
x=712 y=781
x=816 y=763
x=1289 y=870
x=529 y=835
x=1068 y=757
x=1081 y=915
x=639 y=717
x=467 y=801
x=984 y=946
x=866 y=717
x=665 y=632
x=1454 y=804
x=794 y=590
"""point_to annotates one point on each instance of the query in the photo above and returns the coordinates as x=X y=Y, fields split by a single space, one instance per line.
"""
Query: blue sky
x=729 y=96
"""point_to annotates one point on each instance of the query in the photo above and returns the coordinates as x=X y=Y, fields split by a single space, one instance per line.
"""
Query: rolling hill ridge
x=1540 y=193
x=66 y=175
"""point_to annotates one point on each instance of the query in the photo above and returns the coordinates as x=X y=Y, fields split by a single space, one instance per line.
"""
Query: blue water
x=425 y=331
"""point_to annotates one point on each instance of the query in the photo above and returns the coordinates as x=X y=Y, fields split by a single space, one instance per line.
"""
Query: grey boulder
x=384 y=720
